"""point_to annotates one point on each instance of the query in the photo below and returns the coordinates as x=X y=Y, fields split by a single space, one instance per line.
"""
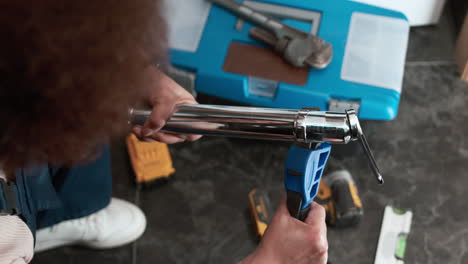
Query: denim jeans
x=49 y=195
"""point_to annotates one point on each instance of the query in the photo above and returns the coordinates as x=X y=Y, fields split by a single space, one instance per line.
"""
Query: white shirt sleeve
x=16 y=239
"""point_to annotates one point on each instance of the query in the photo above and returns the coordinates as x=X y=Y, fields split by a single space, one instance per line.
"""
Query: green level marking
x=399 y=211
x=401 y=246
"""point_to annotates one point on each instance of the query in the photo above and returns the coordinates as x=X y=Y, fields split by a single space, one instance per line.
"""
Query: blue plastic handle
x=303 y=171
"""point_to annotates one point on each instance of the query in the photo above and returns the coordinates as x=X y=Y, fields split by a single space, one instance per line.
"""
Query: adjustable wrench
x=298 y=48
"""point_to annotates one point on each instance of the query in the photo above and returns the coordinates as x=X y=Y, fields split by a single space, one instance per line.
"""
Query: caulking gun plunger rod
x=305 y=126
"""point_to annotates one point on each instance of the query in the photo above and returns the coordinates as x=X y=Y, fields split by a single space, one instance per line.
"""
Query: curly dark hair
x=68 y=72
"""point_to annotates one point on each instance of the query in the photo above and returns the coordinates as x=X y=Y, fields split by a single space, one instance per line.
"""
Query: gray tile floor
x=201 y=215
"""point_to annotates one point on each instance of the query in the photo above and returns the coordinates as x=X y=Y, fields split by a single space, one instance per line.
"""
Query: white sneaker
x=118 y=224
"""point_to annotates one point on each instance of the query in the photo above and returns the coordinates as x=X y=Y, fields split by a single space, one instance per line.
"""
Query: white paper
x=186 y=20
x=375 y=51
x=419 y=12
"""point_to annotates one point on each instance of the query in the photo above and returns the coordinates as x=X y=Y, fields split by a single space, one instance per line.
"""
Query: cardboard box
x=461 y=55
x=419 y=12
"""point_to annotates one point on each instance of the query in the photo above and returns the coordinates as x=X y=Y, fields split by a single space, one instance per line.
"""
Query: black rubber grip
x=303 y=214
x=294 y=203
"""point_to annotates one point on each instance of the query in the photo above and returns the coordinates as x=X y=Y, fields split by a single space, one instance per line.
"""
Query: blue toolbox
x=215 y=48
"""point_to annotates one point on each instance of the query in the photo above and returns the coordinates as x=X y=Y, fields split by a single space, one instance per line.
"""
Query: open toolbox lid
x=366 y=73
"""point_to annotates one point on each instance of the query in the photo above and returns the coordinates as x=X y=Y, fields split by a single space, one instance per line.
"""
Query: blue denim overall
x=43 y=196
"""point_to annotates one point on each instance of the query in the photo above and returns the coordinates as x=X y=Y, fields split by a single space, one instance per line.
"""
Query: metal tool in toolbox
x=222 y=57
x=297 y=47
x=311 y=131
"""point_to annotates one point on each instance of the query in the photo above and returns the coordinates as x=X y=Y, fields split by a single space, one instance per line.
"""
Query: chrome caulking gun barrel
x=312 y=131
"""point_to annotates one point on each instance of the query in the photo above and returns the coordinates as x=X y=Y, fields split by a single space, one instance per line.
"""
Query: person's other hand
x=288 y=240
x=164 y=95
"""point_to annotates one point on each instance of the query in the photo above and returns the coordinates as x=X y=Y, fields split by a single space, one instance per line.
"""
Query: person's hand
x=163 y=95
x=288 y=240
